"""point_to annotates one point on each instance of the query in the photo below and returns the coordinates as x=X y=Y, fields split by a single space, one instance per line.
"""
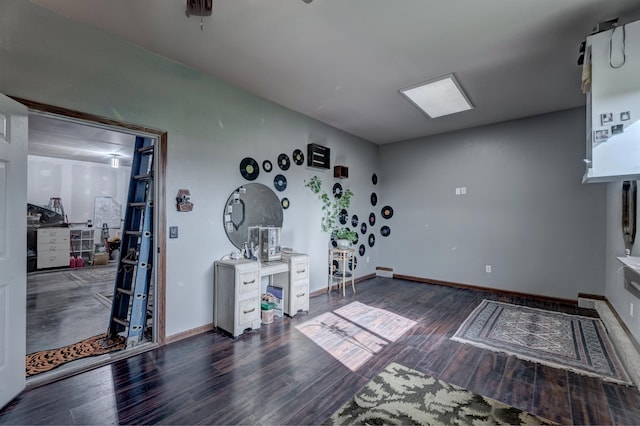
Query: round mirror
x=253 y=204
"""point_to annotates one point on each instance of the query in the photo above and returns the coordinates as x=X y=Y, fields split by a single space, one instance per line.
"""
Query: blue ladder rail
x=133 y=275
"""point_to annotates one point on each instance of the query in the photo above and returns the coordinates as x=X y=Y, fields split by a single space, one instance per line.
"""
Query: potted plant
x=331 y=209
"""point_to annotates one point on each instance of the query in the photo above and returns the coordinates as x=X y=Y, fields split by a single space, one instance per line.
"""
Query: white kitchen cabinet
x=236 y=296
x=613 y=105
x=52 y=247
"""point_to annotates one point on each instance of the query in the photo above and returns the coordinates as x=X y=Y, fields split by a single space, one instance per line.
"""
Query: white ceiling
x=343 y=62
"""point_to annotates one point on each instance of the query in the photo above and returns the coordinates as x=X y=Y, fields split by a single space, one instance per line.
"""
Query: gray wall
x=615 y=291
x=211 y=126
x=525 y=213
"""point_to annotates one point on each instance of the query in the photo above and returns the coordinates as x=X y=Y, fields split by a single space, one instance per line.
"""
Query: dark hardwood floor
x=278 y=376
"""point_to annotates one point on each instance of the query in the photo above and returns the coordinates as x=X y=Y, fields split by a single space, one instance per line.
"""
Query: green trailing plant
x=331 y=208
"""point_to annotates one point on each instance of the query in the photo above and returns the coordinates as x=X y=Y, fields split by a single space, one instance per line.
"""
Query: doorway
x=69 y=303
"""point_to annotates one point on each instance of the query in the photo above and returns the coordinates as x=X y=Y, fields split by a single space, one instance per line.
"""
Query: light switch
x=173 y=232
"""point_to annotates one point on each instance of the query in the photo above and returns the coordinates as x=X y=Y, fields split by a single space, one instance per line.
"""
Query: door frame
x=159 y=204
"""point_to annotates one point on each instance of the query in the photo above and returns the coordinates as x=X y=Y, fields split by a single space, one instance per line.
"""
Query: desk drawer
x=300 y=270
x=300 y=299
x=53 y=236
x=248 y=310
x=51 y=259
x=248 y=282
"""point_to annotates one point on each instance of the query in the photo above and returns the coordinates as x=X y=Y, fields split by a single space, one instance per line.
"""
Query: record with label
x=385 y=231
x=353 y=263
x=285 y=203
x=387 y=212
x=337 y=190
x=298 y=157
x=280 y=182
x=372 y=240
x=249 y=168
x=267 y=166
x=374 y=179
x=363 y=228
x=343 y=217
x=361 y=250
x=374 y=199
x=354 y=220
x=372 y=218
x=283 y=161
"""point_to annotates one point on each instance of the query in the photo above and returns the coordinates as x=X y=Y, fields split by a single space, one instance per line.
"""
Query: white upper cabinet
x=613 y=105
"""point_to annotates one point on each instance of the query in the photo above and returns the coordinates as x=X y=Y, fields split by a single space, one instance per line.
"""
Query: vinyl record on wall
x=280 y=182
x=298 y=157
x=354 y=220
x=353 y=263
x=374 y=199
x=387 y=212
x=284 y=162
x=334 y=243
x=267 y=166
x=385 y=231
x=343 y=217
x=372 y=218
x=249 y=168
x=337 y=190
x=374 y=179
x=372 y=240
x=361 y=250
x=285 y=203
x=363 y=228
x=355 y=241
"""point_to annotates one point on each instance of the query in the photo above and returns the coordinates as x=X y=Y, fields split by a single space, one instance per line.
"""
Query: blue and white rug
x=572 y=342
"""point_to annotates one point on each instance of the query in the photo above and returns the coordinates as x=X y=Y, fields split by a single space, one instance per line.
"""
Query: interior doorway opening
x=63 y=300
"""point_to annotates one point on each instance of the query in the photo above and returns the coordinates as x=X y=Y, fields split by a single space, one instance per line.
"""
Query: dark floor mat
x=43 y=361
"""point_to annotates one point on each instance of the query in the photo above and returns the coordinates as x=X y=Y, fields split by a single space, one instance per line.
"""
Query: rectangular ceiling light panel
x=438 y=97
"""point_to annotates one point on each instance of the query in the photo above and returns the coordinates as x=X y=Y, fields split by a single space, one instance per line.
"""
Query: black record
x=363 y=228
x=298 y=157
x=372 y=219
x=361 y=250
x=374 y=199
x=374 y=179
x=372 y=240
x=354 y=220
x=387 y=212
x=343 y=217
x=284 y=162
x=355 y=240
x=353 y=263
x=285 y=203
x=249 y=168
x=334 y=243
x=385 y=231
x=267 y=166
x=337 y=190
x=280 y=182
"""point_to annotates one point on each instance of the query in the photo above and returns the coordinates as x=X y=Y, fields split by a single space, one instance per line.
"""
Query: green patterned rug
x=400 y=395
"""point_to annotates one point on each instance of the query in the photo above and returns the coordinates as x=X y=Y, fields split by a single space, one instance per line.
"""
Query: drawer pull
x=249 y=282
x=249 y=311
x=300 y=271
x=300 y=294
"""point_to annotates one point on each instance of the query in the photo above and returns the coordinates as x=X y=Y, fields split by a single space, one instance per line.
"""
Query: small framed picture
x=625 y=115
x=605 y=118
x=618 y=128
x=601 y=135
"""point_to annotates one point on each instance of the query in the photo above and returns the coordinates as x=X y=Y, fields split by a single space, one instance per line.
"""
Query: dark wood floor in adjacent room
x=278 y=376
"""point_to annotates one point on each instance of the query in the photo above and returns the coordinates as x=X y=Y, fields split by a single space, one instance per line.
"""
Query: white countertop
x=632 y=262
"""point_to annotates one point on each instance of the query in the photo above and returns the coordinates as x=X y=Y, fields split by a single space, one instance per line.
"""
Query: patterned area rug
x=560 y=340
x=356 y=332
x=42 y=361
x=400 y=395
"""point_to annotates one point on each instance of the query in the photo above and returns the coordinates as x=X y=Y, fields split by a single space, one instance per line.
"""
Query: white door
x=13 y=247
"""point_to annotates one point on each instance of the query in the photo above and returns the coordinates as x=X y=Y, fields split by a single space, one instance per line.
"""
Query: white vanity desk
x=237 y=290
x=631 y=273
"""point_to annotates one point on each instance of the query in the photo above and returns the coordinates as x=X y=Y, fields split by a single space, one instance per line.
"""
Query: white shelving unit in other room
x=82 y=243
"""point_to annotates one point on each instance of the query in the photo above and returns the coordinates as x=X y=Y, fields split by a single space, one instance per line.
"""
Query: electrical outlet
x=367 y=259
x=173 y=232
x=463 y=190
x=631 y=310
x=487 y=268
x=458 y=191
